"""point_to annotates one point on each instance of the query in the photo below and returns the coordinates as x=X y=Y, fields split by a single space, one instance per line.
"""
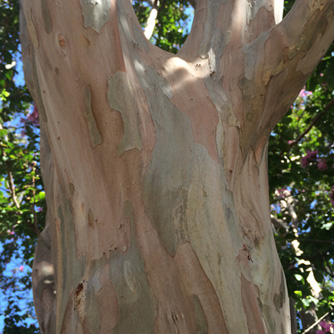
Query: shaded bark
x=155 y=165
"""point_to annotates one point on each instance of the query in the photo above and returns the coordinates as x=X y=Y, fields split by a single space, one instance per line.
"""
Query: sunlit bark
x=155 y=164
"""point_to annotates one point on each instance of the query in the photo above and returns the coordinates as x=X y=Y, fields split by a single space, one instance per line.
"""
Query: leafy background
x=301 y=169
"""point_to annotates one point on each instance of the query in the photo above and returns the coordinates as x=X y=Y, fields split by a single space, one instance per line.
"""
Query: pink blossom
x=322 y=165
x=319 y=332
x=33 y=116
x=304 y=93
x=21 y=268
x=304 y=162
x=281 y=192
x=326 y=326
x=323 y=325
x=311 y=156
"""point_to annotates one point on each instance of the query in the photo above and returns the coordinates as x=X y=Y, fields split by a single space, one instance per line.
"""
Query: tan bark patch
x=121 y=98
x=107 y=302
x=127 y=272
x=94 y=132
x=95 y=13
x=250 y=298
x=46 y=16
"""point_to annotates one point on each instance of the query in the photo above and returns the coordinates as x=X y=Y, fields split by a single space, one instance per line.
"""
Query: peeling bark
x=155 y=165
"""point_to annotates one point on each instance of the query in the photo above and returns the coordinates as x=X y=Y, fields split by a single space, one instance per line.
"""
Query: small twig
x=311 y=240
x=36 y=228
x=315 y=120
x=10 y=180
x=12 y=187
x=325 y=267
x=327 y=271
x=279 y=223
x=316 y=323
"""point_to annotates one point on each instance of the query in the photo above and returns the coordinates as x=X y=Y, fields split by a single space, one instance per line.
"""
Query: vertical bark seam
x=94 y=133
x=46 y=17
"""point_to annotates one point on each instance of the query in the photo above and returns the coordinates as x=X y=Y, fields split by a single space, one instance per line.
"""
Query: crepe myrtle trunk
x=155 y=165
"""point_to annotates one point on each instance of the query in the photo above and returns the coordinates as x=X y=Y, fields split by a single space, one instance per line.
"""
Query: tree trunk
x=155 y=164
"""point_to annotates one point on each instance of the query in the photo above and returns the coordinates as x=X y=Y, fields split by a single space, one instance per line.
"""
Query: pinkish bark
x=155 y=164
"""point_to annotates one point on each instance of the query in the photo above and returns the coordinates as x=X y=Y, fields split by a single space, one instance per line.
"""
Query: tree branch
x=279 y=223
x=308 y=25
x=316 y=323
x=151 y=21
x=291 y=50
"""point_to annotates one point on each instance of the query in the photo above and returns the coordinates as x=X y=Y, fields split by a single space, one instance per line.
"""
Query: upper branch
x=288 y=53
x=308 y=31
x=218 y=23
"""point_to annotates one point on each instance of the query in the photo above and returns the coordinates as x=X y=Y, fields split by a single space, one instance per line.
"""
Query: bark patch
x=121 y=98
x=95 y=136
x=168 y=176
x=69 y=268
x=251 y=307
x=279 y=298
x=80 y=299
x=32 y=30
x=41 y=110
x=135 y=300
x=95 y=13
x=201 y=323
x=91 y=222
x=46 y=17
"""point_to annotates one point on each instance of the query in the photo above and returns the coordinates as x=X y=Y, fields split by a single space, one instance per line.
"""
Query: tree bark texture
x=155 y=166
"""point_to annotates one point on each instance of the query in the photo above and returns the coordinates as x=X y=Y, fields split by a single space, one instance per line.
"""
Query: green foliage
x=301 y=170
x=19 y=307
x=13 y=97
x=173 y=23
x=22 y=204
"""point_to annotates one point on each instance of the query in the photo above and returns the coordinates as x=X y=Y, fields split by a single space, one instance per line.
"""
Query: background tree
x=172 y=43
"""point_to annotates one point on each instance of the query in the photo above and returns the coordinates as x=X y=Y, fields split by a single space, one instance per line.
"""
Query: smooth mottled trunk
x=155 y=166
